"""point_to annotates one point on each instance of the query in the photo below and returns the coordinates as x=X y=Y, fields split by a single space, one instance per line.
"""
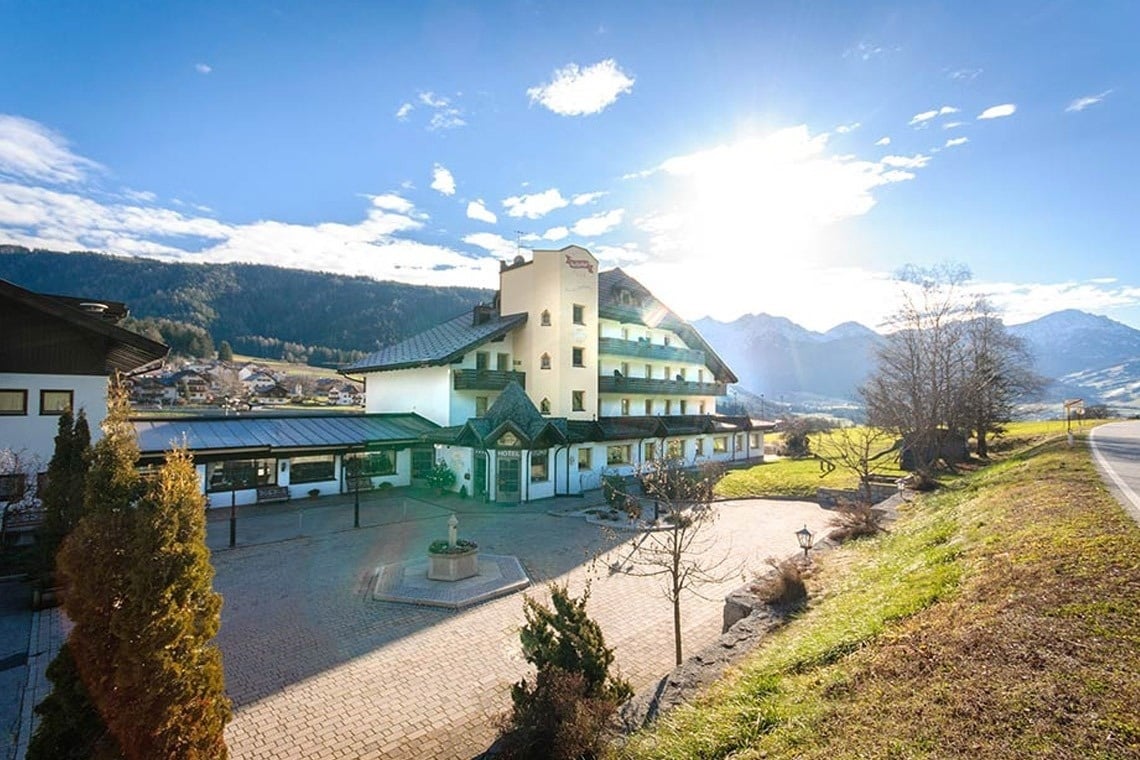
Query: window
x=702 y=408
x=544 y=406
x=618 y=454
x=382 y=462
x=675 y=449
x=668 y=406
x=668 y=372
x=699 y=444
x=544 y=362
x=482 y=360
x=538 y=466
x=585 y=459
x=422 y=462
x=579 y=356
x=720 y=444
x=545 y=318
x=665 y=340
x=12 y=486
x=700 y=375
x=650 y=449
x=625 y=369
x=738 y=442
x=681 y=374
x=649 y=370
x=315 y=469
x=625 y=333
x=648 y=407
x=503 y=362
x=625 y=406
x=754 y=440
x=13 y=401
x=579 y=314
x=578 y=401
x=55 y=402
x=238 y=474
x=480 y=406
x=683 y=404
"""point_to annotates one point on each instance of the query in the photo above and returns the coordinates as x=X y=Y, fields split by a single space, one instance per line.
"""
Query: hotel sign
x=580 y=264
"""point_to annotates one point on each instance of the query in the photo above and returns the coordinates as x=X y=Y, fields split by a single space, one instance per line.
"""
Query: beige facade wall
x=554 y=282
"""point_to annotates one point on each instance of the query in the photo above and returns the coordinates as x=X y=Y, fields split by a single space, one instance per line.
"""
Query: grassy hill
x=1000 y=618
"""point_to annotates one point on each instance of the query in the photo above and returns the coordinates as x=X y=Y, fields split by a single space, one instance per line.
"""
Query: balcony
x=485 y=379
x=643 y=349
x=651 y=387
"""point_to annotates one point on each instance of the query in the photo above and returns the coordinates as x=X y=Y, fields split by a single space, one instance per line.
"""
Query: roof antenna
x=518 y=241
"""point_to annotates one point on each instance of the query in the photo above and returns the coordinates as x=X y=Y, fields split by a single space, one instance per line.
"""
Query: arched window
x=544 y=406
x=545 y=318
x=545 y=362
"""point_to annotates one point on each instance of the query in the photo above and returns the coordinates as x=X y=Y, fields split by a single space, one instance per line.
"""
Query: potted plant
x=314 y=493
x=441 y=477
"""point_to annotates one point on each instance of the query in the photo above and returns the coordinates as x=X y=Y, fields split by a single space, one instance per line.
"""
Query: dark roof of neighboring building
x=647 y=310
x=270 y=434
x=125 y=350
x=441 y=344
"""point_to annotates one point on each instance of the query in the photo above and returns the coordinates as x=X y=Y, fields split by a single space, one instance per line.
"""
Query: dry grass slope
x=1000 y=619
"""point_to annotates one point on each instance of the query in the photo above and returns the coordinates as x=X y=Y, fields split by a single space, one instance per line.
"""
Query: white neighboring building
x=57 y=353
x=568 y=374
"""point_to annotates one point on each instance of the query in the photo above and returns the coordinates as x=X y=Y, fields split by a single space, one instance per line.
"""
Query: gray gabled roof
x=269 y=434
x=440 y=345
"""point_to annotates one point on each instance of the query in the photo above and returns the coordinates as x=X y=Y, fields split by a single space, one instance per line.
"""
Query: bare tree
x=864 y=451
x=18 y=485
x=683 y=554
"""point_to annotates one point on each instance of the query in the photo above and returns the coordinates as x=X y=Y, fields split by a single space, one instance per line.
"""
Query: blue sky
x=736 y=157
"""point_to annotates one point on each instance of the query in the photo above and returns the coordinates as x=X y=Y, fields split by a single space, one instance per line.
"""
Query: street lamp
x=805 y=538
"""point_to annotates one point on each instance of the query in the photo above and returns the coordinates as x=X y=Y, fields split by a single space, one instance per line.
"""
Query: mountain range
x=325 y=318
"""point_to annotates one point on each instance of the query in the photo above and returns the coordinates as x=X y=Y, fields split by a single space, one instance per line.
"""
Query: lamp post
x=355 y=471
x=805 y=538
x=233 y=514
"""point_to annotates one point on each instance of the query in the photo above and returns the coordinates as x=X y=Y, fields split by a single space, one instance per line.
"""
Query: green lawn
x=1000 y=618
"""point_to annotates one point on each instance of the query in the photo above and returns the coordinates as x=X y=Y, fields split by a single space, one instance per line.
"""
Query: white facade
x=33 y=431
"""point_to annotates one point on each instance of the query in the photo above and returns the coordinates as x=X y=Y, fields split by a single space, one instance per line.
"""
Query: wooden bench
x=268 y=494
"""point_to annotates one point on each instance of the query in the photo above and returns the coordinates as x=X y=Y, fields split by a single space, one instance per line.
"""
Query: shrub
x=855 y=520
x=614 y=490
x=441 y=476
x=462 y=545
x=782 y=586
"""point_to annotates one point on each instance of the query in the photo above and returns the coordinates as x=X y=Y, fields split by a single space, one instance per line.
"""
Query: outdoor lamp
x=804 y=537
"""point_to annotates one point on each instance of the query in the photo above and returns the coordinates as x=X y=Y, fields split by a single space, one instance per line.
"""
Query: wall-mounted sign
x=580 y=264
x=508 y=439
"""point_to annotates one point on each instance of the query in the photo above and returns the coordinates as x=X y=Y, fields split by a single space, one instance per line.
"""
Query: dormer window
x=625 y=297
x=545 y=318
x=544 y=362
x=544 y=406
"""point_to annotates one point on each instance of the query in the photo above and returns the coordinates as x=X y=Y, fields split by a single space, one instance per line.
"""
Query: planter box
x=453 y=567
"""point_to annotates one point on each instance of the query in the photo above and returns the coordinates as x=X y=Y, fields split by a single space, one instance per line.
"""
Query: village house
x=569 y=374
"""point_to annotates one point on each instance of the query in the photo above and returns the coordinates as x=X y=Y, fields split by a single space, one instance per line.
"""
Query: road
x=1116 y=451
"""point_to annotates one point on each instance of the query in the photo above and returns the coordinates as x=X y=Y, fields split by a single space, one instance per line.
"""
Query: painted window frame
x=20 y=393
x=64 y=392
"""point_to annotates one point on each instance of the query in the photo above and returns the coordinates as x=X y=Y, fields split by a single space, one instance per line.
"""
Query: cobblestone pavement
x=318 y=669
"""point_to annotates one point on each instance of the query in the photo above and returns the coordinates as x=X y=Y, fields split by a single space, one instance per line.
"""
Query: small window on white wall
x=544 y=362
x=544 y=406
x=545 y=318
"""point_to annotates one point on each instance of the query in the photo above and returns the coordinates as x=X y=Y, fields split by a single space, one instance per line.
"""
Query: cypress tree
x=64 y=493
x=139 y=595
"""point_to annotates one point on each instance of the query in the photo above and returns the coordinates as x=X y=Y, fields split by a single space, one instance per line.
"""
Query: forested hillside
x=260 y=310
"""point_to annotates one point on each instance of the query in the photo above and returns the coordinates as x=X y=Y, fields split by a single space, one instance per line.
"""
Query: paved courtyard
x=319 y=669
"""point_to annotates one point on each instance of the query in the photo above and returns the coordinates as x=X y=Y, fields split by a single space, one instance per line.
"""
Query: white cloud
x=139 y=196
x=997 y=112
x=556 y=233
x=535 y=205
x=863 y=50
x=925 y=116
x=1023 y=302
x=581 y=199
x=965 y=75
x=953 y=141
x=598 y=224
x=883 y=141
x=403 y=111
x=916 y=161
x=442 y=181
x=445 y=115
x=497 y=245
x=575 y=91
x=1081 y=104
x=476 y=210
x=31 y=151
x=953 y=124
x=203 y=68
x=845 y=128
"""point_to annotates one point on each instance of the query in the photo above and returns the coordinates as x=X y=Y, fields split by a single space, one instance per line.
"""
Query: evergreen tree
x=70 y=727
x=140 y=598
x=64 y=493
x=225 y=352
